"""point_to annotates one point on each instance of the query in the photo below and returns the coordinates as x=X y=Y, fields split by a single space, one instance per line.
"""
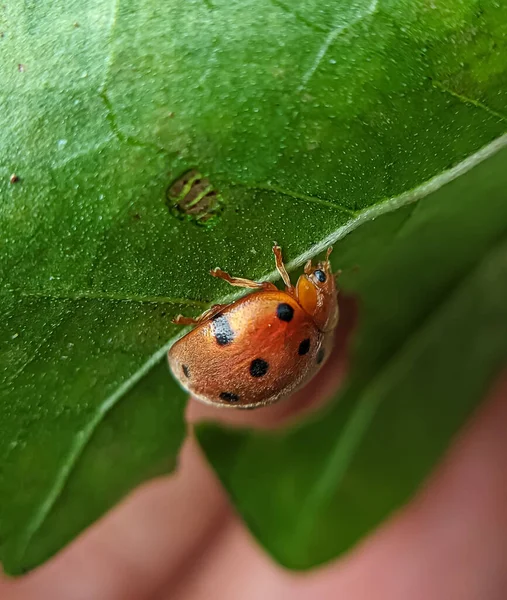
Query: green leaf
x=70 y=449
x=433 y=281
x=306 y=119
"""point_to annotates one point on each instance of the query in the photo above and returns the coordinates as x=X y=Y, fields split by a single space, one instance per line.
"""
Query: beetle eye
x=320 y=275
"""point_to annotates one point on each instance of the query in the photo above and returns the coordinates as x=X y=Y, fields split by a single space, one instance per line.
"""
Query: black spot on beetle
x=185 y=370
x=320 y=355
x=221 y=329
x=304 y=347
x=258 y=367
x=229 y=396
x=284 y=312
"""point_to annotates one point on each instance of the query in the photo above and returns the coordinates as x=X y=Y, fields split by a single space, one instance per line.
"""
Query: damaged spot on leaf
x=193 y=198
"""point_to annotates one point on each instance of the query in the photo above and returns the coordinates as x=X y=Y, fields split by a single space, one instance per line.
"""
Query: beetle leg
x=181 y=320
x=277 y=251
x=240 y=282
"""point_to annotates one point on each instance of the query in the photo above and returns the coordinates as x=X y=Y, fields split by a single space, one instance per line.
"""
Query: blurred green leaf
x=309 y=119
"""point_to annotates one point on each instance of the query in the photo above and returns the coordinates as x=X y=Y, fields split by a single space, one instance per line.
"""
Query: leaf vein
x=91 y=295
x=84 y=151
x=36 y=351
x=297 y=196
x=330 y=38
x=299 y=17
x=466 y=100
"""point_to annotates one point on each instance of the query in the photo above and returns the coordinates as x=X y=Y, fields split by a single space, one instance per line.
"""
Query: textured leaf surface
x=306 y=117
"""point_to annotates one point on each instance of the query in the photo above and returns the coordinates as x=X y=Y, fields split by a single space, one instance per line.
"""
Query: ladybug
x=265 y=345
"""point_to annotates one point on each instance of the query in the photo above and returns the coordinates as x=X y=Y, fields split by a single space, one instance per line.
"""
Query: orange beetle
x=265 y=345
